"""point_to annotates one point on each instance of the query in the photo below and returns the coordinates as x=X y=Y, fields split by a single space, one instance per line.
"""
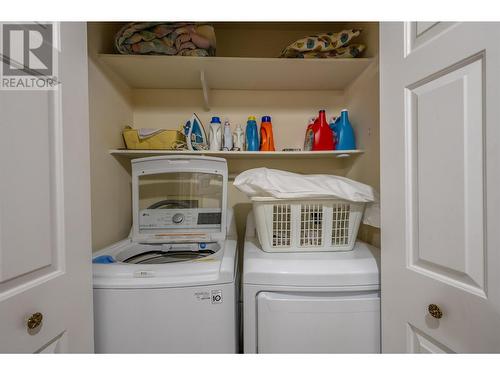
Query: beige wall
x=290 y=110
x=268 y=39
x=264 y=39
x=362 y=98
x=110 y=110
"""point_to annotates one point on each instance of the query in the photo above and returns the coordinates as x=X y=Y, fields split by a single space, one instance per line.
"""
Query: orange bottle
x=266 y=134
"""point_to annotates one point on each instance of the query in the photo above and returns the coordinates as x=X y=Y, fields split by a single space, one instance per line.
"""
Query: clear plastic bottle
x=228 y=137
x=309 y=137
x=239 y=139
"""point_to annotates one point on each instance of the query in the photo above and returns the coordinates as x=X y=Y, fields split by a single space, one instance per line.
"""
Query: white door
x=45 y=250
x=440 y=174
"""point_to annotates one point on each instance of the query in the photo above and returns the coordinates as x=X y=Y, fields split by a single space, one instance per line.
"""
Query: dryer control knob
x=178 y=218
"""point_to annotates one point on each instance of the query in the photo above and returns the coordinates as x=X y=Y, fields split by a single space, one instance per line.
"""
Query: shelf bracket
x=206 y=89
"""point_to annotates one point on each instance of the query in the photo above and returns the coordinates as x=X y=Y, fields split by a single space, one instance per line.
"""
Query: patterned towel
x=166 y=38
x=325 y=45
x=354 y=50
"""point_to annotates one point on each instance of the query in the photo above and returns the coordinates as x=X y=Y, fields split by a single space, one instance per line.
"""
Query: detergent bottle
x=215 y=136
x=309 y=138
x=344 y=132
x=333 y=123
x=252 y=135
x=239 y=139
x=323 y=136
x=228 y=137
x=266 y=134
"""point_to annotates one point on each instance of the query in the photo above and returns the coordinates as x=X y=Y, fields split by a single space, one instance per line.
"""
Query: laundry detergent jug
x=323 y=136
x=344 y=132
x=215 y=135
x=266 y=134
x=252 y=135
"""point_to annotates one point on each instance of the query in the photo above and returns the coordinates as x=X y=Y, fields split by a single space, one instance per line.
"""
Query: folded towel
x=324 y=45
x=353 y=50
x=147 y=132
x=166 y=38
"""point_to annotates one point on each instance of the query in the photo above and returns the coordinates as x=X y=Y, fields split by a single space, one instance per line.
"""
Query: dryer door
x=321 y=322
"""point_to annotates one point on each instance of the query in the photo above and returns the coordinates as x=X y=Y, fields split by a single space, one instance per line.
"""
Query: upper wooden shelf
x=235 y=73
x=133 y=154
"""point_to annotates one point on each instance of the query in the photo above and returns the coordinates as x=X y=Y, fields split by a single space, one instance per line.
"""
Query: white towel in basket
x=264 y=182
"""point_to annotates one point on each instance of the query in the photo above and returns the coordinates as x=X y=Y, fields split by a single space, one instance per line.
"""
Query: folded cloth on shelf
x=324 y=45
x=144 y=133
x=166 y=38
x=353 y=50
x=152 y=139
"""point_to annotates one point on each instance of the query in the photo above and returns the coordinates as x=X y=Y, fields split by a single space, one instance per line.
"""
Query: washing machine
x=314 y=302
x=171 y=286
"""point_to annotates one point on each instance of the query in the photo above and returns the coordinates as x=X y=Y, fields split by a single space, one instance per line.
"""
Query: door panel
x=419 y=342
x=28 y=189
x=440 y=187
x=423 y=26
x=444 y=150
x=418 y=34
x=17 y=187
x=45 y=264
x=57 y=345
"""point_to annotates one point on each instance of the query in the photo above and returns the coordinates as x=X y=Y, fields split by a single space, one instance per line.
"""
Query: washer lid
x=179 y=199
x=359 y=267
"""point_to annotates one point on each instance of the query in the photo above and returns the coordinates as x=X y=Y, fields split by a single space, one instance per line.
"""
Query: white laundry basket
x=288 y=225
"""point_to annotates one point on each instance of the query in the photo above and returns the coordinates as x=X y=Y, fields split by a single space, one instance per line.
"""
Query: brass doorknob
x=34 y=321
x=435 y=311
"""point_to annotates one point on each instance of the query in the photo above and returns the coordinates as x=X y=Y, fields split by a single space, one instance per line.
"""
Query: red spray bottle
x=323 y=136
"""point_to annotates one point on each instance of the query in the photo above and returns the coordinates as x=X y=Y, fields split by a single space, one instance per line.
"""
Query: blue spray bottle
x=252 y=135
x=344 y=132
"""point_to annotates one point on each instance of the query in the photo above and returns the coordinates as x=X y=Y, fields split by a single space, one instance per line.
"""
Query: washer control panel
x=194 y=218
